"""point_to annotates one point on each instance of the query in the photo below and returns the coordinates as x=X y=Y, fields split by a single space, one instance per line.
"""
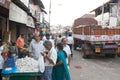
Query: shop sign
x=30 y=22
x=26 y=2
x=2 y=1
x=17 y=14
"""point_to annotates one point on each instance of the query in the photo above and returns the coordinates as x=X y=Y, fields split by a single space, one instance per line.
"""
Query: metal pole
x=49 y=14
x=102 y=22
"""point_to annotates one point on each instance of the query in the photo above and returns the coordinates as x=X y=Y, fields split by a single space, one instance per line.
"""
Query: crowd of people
x=54 y=54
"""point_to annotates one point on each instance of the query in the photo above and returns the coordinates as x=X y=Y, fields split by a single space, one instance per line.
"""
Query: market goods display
x=27 y=64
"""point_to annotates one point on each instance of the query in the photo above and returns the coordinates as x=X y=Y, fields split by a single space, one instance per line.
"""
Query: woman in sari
x=60 y=70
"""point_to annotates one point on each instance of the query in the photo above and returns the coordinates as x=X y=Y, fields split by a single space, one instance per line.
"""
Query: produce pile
x=27 y=64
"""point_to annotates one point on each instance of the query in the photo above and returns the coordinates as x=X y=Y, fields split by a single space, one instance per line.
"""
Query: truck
x=96 y=40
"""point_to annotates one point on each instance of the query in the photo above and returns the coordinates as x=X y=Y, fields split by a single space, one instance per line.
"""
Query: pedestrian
x=53 y=38
x=30 y=37
x=13 y=49
x=59 y=38
x=36 y=47
x=4 y=49
x=60 y=70
x=50 y=60
x=42 y=36
x=49 y=39
x=20 y=43
x=70 y=43
x=66 y=48
x=10 y=60
x=1 y=65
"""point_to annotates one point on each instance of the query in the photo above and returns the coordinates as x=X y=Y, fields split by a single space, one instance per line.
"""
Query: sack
x=41 y=64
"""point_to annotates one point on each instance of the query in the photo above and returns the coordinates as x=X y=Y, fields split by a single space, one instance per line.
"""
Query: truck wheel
x=118 y=55
x=84 y=54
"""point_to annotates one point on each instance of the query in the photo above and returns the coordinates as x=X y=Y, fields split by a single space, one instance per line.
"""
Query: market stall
x=25 y=69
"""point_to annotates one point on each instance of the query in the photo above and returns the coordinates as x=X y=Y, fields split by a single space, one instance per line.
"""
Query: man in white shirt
x=49 y=39
x=36 y=47
x=70 y=43
x=67 y=50
x=59 y=38
x=50 y=60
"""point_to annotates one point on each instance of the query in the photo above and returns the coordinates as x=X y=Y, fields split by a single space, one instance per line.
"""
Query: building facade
x=19 y=17
x=4 y=15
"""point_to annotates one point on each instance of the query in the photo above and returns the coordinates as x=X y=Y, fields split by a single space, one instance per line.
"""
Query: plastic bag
x=10 y=70
x=41 y=64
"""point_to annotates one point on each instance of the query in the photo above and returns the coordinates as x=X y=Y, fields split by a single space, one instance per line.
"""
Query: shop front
x=18 y=20
x=4 y=5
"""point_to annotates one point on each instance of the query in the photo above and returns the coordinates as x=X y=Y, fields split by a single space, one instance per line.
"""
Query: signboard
x=2 y=1
x=30 y=22
x=26 y=2
x=17 y=14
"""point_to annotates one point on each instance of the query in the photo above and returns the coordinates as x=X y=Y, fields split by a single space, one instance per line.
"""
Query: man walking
x=70 y=43
x=66 y=48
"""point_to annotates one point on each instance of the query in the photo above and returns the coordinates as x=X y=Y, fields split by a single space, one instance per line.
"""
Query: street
x=98 y=68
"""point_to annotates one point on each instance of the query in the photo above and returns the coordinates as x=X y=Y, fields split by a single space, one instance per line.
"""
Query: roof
x=85 y=21
x=39 y=2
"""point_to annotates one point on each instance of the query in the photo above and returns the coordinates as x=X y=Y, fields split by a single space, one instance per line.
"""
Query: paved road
x=98 y=68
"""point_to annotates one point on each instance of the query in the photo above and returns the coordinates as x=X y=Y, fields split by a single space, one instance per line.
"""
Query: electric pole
x=49 y=15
